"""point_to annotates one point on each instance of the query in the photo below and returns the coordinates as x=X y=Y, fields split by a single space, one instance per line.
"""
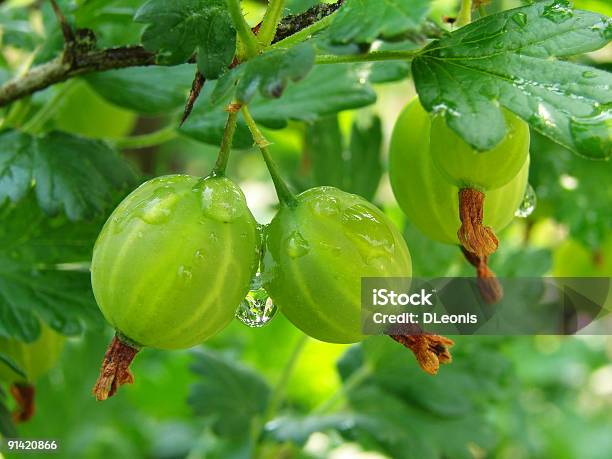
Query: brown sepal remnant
x=23 y=394
x=115 y=369
x=473 y=235
x=491 y=290
x=429 y=350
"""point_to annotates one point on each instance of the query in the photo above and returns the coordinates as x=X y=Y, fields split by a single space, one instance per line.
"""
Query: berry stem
x=152 y=139
x=249 y=45
x=285 y=195
x=228 y=138
x=270 y=21
x=374 y=56
x=115 y=368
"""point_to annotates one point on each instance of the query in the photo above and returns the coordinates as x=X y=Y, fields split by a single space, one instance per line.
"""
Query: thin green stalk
x=278 y=393
x=373 y=56
x=248 y=40
x=46 y=112
x=285 y=195
x=351 y=383
x=465 y=13
x=226 y=143
x=482 y=11
x=146 y=140
x=279 y=390
x=306 y=33
x=273 y=15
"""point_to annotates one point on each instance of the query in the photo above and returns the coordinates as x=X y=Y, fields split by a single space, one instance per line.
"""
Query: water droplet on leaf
x=184 y=273
x=558 y=12
x=520 y=19
x=589 y=74
x=593 y=134
x=528 y=204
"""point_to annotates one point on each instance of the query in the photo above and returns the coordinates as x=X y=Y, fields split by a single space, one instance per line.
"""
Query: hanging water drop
x=221 y=199
x=528 y=204
x=257 y=309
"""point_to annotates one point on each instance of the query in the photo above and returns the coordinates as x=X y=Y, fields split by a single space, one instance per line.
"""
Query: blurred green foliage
x=514 y=397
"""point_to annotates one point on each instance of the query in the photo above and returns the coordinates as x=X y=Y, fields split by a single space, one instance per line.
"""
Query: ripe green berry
x=35 y=358
x=466 y=167
x=318 y=250
x=431 y=202
x=171 y=266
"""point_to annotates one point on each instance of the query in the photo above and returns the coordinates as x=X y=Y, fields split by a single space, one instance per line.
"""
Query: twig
x=89 y=61
x=69 y=37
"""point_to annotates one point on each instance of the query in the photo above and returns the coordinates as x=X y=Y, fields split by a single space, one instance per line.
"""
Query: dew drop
x=296 y=245
x=326 y=206
x=367 y=230
x=558 y=12
x=221 y=199
x=199 y=255
x=528 y=204
x=185 y=274
x=158 y=209
x=257 y=309
x=520 y=19
x=589 y=74
x=593 y=134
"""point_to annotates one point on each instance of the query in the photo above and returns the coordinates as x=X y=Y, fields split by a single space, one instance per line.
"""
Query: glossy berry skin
x=35 y=358
x=466 y=167
x=174 y=260
x=316 y=254
x=431 y=202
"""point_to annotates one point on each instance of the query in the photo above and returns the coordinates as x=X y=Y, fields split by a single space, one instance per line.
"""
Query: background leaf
x=362 y=21
x=69 y=173
x=178 y=29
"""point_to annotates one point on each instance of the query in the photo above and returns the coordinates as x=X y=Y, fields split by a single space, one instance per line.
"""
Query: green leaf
x=408 y=411
x=233 y=395
x=505 y=60
x=356 y=168
x=326 y=90
x=179 y=28
x=363 y=21
x=43 y=272
x=150 y=90
x=69 y=173
x=268 y=73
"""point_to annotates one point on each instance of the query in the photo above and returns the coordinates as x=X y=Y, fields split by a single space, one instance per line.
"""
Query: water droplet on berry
x=221 y=199
x=528 y=204
x=257 y=309
x=326 y=206
x=296 y=245
x=184 y=273
x=366 y=230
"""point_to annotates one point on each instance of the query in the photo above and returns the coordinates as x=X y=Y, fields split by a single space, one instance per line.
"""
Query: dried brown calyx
x=115 y=368
x=491 y=290
x=473 y=235
x=429 y=350
x=23 y=393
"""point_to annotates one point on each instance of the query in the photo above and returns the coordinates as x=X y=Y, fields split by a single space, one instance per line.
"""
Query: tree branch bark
x=83 y=62
x=58 y=70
